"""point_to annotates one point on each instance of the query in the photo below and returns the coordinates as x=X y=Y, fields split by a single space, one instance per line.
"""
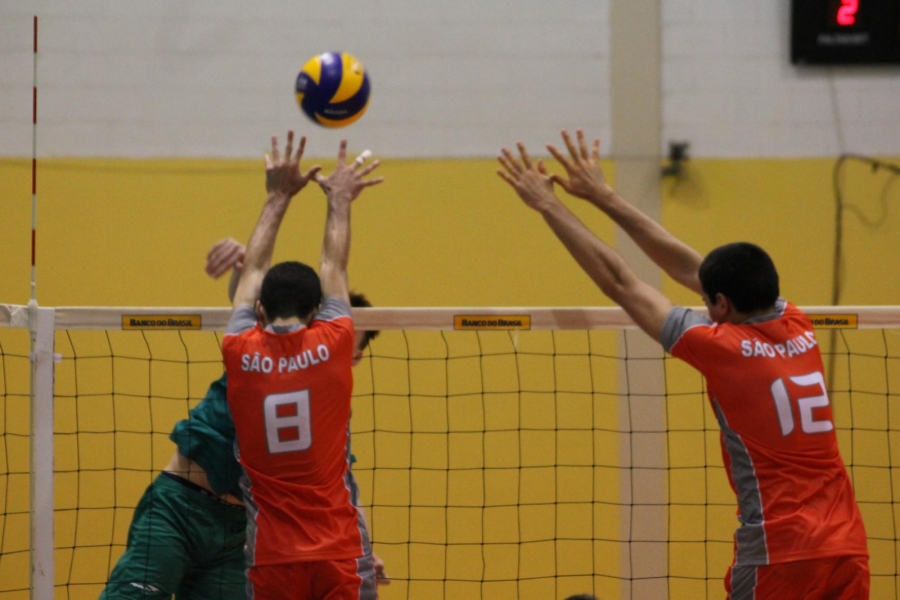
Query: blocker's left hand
x=283 y=175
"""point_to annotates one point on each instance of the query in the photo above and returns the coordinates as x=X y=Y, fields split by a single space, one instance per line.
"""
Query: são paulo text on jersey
x=792 y=347
x=261 y=363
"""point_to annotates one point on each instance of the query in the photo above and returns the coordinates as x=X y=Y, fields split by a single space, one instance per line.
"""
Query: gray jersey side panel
x=743 y=582
x=750 y=536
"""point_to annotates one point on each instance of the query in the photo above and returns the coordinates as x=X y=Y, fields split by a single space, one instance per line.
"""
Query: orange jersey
x=766 y=384
x=289 y=393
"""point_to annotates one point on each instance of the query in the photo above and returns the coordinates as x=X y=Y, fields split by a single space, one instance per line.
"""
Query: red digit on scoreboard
x=846 y=14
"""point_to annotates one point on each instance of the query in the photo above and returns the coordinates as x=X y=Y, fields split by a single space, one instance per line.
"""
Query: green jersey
x=207 y=438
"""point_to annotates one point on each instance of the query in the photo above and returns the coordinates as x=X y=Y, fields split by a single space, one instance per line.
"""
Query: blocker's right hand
x=530 y=180
x=224 y=255
x=283 y=175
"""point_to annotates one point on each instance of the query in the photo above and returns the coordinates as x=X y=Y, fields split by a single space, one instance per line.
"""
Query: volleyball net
x=501 y=453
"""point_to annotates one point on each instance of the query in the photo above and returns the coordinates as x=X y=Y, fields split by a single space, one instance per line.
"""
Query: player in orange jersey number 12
x=801 y=533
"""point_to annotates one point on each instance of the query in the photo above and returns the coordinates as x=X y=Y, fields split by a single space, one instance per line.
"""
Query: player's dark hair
x=743 y=273
x=582 y=597
x=360 y=301
x=290 y=289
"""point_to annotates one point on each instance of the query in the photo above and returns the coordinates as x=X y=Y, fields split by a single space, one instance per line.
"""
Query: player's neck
x=286 y=322
x=742 y=317
x=291 y=321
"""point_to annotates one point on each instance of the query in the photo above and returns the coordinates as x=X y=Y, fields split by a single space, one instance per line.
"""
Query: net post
x=644 y=490
x=636 y=115
x=41 y=327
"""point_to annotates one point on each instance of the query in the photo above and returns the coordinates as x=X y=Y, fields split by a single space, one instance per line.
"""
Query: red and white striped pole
x=34 y=164
x=42 y=358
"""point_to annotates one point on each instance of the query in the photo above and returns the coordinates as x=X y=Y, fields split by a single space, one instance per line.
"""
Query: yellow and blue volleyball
x=333 y=89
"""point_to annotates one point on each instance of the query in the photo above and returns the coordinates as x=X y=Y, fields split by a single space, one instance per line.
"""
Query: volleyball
x=333 y=89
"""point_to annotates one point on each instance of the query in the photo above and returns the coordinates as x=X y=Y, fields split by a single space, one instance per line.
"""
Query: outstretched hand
x=224 y=255
x=346 y=183
x=283 y=175
x=530 y=180
x=585 y=177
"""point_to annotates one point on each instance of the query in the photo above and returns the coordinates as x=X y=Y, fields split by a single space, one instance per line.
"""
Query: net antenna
x=42 y=572
x=34 y=113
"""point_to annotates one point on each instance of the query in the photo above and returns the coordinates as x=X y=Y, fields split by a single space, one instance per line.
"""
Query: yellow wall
x=136 y=233
x=787 y=206
x=437 y=233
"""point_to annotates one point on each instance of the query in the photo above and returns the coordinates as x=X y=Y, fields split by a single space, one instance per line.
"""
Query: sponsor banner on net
x=835 y=321
x=500 y=322
x=161 y=321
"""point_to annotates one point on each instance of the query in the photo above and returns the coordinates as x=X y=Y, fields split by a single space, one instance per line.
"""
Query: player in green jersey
x=188 y=531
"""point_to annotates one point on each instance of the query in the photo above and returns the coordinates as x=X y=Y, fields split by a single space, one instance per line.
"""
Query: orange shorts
x=348 y=579
x=836 y=578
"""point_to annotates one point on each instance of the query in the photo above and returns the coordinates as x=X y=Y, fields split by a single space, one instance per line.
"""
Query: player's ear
x=725 y=307
x=261 y=314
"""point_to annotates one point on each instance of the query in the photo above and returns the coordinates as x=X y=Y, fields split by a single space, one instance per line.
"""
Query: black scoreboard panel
x=845 y=32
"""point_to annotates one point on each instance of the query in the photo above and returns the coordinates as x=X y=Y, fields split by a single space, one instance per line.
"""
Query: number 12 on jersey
x=287 y=422
x=805 y=404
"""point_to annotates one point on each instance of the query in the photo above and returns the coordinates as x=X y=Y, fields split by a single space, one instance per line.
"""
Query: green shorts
x=182 y=542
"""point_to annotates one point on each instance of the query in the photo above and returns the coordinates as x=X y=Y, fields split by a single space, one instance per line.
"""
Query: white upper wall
x=215 y=77
x=449 y=78
x=730 y=89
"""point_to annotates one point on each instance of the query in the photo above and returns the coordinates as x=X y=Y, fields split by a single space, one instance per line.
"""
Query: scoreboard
x=845 y=32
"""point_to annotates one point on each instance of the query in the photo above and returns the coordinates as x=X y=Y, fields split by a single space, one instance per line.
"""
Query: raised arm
x=586 y=180
x=283 y=181
x=342 y=187
x=643 y=303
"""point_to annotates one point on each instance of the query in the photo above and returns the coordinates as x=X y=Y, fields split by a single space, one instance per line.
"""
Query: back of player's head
x=743 y=273
x=360 y=301
x=290 y=289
